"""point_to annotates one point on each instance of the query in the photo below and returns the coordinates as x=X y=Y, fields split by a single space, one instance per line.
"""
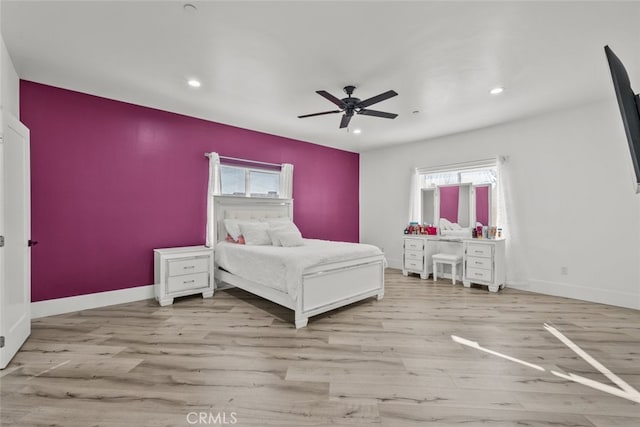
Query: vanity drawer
x=478 y=250
x=416 y=255
x=478 y=274
x=188 y=281
x=413 y=264
x=413 y=244
x=178 y=267
x=477 y=262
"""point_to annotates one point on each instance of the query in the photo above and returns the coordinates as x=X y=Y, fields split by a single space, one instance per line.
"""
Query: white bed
x=310 y=279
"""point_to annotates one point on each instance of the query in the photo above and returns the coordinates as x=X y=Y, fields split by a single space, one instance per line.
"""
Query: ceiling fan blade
x=331 y=98
x=378 y=114
x=378 y=98
x=320 y=114
x=345 y=120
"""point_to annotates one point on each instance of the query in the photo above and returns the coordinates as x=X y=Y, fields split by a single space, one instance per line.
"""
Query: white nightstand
x=484 y=263
x=416 y=256
x=182 y=271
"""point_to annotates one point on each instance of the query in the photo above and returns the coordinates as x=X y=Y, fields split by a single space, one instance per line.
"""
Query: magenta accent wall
x=111 y=181
x=449 y=199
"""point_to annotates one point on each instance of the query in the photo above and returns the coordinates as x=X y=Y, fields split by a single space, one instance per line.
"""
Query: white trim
x=475 y=164
x=583 y=293
x=84 y=302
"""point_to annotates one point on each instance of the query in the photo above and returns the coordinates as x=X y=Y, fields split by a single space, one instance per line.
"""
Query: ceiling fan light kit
x=352 y=105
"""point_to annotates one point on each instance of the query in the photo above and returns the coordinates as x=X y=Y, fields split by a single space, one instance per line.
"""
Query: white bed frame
x=324 y=287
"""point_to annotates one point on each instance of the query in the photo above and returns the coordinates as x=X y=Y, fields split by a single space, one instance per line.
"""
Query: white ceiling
x=260 y=63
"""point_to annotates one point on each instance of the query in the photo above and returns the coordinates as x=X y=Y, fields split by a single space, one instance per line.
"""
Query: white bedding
x=282 y=267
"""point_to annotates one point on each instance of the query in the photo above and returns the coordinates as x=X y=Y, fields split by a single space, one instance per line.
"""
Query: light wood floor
x=390 y=363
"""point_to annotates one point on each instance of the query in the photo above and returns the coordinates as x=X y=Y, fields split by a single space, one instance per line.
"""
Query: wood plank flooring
x=236 y=359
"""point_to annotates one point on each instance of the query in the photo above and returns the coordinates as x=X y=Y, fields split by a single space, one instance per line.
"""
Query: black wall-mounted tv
x=629 y=104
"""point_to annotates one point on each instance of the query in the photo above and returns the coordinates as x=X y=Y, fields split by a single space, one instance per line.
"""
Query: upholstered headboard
x=248 y=208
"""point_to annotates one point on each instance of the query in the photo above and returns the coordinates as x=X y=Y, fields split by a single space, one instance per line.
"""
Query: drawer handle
x=477 y=252
x=188 y=281
x=188 y=267
x=477 y=274
x=478 y=263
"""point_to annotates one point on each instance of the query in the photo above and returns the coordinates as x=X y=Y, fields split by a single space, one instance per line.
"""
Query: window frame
x=247 y=181
x=459 y=169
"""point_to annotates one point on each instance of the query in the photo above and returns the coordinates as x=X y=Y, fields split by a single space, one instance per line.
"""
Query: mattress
x=280 y=267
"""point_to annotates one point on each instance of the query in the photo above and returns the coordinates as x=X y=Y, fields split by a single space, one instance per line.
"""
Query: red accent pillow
x=240 y=240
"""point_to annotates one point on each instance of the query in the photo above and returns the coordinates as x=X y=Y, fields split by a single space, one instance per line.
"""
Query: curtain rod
x=255 y=162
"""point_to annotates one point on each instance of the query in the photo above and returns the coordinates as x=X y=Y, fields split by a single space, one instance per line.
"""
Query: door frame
x=15 y=330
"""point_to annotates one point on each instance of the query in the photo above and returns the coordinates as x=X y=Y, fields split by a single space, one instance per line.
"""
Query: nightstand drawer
x=178 y=267
x=413 y=264
x=415 y=255
x=477 y=262
x=413 y=244
x=188 y=281
x=474 y=249
x=478 y=274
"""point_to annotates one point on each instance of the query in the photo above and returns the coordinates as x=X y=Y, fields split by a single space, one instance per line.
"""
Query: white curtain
x=286 y=181
x=213 y=190
x=415 y=208
x=516 y=262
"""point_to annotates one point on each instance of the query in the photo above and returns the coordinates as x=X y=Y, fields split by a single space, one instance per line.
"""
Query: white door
x=15 y=227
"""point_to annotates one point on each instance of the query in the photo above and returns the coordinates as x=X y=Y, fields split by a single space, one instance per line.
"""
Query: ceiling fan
x=352 y=105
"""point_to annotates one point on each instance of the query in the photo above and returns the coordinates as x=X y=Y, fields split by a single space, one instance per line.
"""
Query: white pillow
x=445 y=224
x=281 y=225
x=275 y=239
x=289 y=238
x=233 y=228
x=255 y=233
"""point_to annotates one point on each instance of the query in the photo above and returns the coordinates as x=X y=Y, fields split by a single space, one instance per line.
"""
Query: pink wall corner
x=111 y=181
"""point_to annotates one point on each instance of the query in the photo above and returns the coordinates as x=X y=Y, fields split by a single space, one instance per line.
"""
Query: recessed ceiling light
x=357 y=131
x=193 y=83
x=496 y=90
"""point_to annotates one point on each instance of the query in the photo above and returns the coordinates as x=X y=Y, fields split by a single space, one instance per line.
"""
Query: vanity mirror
x=455 y=204
x=464 y=204
x=483 y=204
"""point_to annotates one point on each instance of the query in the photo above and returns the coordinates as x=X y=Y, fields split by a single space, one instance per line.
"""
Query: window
x=477 y=203
x=487 y=175
x=245 y=181
x=264 y=183
x=232 y=180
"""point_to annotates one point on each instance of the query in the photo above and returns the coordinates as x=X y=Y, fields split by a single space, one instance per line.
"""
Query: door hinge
x=1 y=241
x=1 y=342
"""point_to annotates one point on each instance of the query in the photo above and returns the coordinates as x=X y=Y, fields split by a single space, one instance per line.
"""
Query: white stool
x=452 y=260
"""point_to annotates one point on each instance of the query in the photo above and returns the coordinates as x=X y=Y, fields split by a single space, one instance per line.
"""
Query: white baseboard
x=569 y=290
x=394 y=263
x=53 y=307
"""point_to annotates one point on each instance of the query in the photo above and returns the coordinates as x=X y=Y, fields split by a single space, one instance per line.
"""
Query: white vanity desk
x=482 y=259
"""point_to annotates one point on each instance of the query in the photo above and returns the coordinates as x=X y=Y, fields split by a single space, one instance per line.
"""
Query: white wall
x=9 y=83
x=573 y=189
